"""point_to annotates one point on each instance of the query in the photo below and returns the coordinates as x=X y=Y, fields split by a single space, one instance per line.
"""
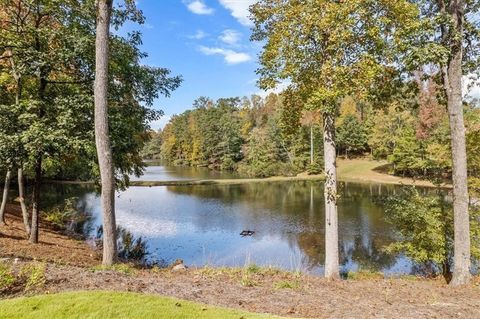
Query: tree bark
x=5 y=197
x=332 y=269
x=311 y=144
x=452 y=78
x=21 y=198
x=36 y=201
x=102 y=138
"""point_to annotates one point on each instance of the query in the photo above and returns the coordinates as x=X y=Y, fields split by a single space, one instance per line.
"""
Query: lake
x=201 y=224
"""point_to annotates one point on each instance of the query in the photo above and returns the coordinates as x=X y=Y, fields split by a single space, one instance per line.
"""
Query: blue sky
x=205 y=41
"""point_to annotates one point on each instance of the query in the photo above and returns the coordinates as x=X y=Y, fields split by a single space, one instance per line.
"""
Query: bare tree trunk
x=332 y=269
x=102 y=138
x=5 y=197
x=311 y=144
x=452 y=78
x=36 y=201
x=21 y=198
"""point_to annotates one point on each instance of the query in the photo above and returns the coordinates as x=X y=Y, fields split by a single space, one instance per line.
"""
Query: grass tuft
x=364 y=275
x=286 y=284
x=125 y=269
x=7 y=277
x=34 y=275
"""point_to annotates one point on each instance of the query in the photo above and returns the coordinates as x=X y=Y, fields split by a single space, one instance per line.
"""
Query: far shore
x=359 y=170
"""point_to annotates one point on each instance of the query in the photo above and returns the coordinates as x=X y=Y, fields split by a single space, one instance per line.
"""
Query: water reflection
x=202 y=224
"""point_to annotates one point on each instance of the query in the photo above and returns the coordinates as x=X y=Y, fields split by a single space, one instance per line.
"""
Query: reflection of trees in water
x=293 y=211
x=299 y=207
x=368 y=257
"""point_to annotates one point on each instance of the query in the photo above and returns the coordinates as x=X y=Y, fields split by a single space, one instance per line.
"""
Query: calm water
x=158 y=171
x=202 y=224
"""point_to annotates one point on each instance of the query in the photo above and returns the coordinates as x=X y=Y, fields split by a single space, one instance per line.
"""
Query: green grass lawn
x=106 y=304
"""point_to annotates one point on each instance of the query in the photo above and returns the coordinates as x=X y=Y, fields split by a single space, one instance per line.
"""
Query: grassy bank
x=365 y=170
x=361 y=170
x=109 y=304
x=232 y=181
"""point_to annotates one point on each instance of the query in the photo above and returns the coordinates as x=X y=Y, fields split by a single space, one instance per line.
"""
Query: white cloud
x=160 y=124
x=230 y=37
x=230 y=56
x=282 y=86
x=198 y=35
x=198 y=7
x=239 y=10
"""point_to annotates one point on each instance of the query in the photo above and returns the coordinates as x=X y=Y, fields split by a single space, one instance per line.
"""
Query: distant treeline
x=271 y=136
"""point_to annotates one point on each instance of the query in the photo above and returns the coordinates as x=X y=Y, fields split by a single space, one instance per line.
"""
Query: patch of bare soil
x=53 y=245
x=257 y=290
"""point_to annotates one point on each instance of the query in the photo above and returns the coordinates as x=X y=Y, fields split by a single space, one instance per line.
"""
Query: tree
x=425 y=226
x=452 y=80
x=324 y=52
x=446 y=35
x=6 y=186
x=351 y=135
x=310 y=118
x=102 y=137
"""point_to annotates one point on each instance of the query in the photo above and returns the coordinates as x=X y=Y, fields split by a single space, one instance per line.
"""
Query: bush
x=425 y=226
x=60 y=216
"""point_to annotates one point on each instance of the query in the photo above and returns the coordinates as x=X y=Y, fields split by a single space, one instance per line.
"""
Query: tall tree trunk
x=311 y=144
x=452 y=78
x=332 y=269
x=36 y=201
x=102 y=138
x=21 y=198
x=5 y=197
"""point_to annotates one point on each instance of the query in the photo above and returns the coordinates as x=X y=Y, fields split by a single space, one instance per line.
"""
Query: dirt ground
x=309 y=297
x=257 y=290
x=53 y=247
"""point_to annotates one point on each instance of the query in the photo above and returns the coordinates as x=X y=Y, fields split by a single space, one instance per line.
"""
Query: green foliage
x=247 y=135
x=314 y=168
x=408 y=154
x=351 y=136
x=253 y=269
x=61 y=215
x=323 y=51
x=425 y=226
x=47 y=110
x=7 y=277
x=34 y=275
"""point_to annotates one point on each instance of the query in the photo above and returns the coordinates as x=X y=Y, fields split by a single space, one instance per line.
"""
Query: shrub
x=425 y=226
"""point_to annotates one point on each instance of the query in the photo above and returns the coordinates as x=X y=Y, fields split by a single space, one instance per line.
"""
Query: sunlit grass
x=107 y=304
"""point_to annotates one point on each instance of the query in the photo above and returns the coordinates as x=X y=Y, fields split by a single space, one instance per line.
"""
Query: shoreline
x=360 y=170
